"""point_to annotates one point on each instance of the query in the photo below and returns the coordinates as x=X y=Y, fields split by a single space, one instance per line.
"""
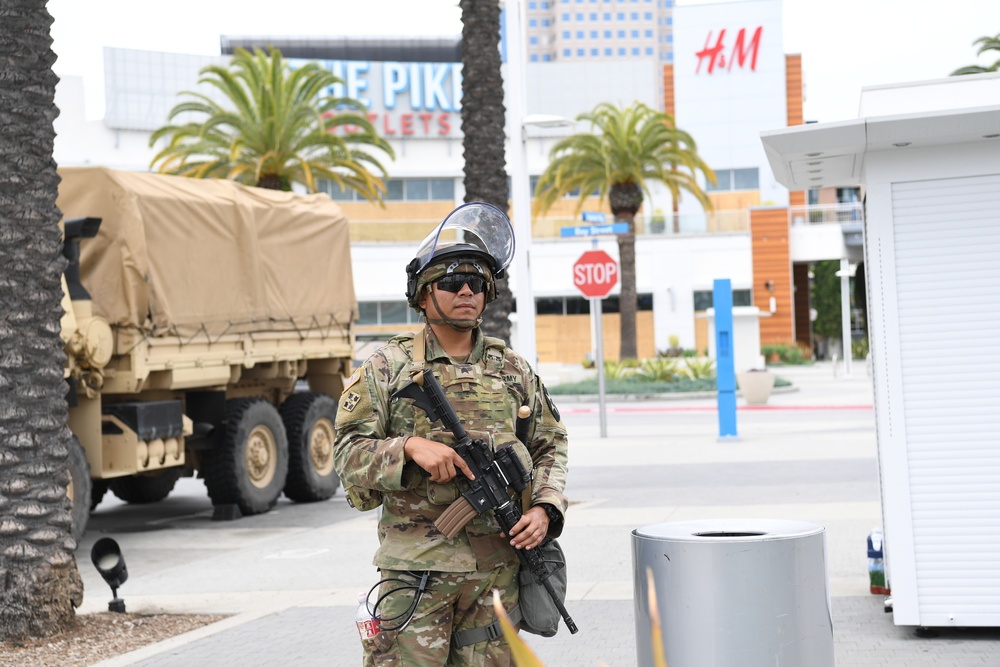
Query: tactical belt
x=485 y=633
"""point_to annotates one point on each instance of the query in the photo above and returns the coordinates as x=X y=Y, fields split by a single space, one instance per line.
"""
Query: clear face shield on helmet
x=477 y=224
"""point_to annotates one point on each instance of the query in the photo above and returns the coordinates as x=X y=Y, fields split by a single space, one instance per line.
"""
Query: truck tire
x=148 y=488
x=79 y=488
x=309 y=419
x=98 y=487
x=250 y=467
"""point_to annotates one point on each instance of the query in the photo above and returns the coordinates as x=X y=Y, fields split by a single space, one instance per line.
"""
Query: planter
x=755 y=386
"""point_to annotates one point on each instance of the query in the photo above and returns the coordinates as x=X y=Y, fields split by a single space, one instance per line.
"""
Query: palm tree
x=41 y=584
x=483 y=130
x=986 y=43
x=628 y=147
x=278 y=128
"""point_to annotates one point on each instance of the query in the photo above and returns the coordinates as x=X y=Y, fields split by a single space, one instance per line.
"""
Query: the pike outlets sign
x=403 y=99
x=718 y=54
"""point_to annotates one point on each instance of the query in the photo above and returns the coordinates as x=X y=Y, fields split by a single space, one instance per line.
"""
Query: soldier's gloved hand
x=530 y=529
x=439 y=460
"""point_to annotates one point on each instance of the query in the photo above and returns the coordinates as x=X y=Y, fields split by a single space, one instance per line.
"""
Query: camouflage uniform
x=486 y=392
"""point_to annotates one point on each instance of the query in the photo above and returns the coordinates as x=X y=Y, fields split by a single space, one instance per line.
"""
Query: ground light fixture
x=107 y=558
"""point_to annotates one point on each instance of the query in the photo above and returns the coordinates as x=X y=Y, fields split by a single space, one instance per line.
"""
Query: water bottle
x=876 y=566
x=368 y=625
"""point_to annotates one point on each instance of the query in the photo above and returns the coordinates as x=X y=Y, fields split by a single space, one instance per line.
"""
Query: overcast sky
x=845 y=45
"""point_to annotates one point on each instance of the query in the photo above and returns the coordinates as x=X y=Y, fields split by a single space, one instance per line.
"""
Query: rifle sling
x=454 y=518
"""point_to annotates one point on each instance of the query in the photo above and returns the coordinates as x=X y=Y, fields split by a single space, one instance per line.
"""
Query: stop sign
x=595 y=273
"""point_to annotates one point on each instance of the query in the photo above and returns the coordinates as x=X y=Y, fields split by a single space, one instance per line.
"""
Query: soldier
x=437 y=604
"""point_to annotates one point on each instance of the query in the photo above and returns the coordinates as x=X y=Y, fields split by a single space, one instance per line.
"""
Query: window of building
x=607 y=16
x=545 y=5
x=577 y=305
x=648 y=33
x=565 y=17
x=670 y=39
x=746 y=179
x=620 y=16
x=669 y=20
x=635 y=33
x=567 y=52
x=580 y=34
x=621 y=35
x=634 y=16
x=593 y=34
x=567 y=34
x=386 y=312
x=703 y=299
x=621 y=51
x=649 y=50
x=546 y=58
x=545 y=23
x=533 y=40
x=534 y=58
x=735 y=179
x=581 y=52
x=609 y=52
x=595 y=52
x=593 y=16
x=579 y=16
x=532 y=23
x=532 y=5
x=635 y=50
x=607 y=34
x=400 y=189
x=647 y=16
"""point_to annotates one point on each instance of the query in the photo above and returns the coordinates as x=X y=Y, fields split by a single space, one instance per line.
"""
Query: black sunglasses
x=453 y=283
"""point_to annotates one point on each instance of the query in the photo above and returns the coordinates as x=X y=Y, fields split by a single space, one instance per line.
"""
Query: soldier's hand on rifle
x=439 y=460
x=530 y=529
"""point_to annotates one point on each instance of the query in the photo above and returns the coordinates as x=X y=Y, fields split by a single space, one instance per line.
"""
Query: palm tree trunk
x=483 y=123
x=627 y=300
x=39 y=581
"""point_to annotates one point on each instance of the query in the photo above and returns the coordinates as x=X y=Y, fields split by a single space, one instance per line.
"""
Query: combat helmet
x=473 y=237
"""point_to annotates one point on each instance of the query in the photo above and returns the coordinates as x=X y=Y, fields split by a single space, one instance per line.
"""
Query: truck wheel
x=98 y=487
x=250 y=467
x=149 y=488
x=309 y=418
x=79 y=488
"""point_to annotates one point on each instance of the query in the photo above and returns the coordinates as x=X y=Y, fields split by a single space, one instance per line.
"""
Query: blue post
x=722 y=302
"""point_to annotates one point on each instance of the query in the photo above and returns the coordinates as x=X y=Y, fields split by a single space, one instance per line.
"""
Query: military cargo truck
x=193 y=310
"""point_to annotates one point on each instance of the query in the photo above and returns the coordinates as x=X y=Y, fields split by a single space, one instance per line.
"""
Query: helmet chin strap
x=456 y=324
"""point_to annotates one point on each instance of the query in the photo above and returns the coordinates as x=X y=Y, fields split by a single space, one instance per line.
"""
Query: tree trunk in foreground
x=39 y=581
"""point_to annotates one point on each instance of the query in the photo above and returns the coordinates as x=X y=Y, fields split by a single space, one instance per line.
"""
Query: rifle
x=493 y=471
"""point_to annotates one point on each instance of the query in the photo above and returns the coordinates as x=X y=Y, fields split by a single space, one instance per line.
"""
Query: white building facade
x=728 y=78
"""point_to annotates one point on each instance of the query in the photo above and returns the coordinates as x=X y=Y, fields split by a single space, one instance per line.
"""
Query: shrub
x=619 y=370
x=859 y=348
x=658 y=370
x=785 y=353
x=699 y=369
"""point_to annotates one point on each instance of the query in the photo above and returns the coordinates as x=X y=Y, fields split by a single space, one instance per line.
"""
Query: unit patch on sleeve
x=351 y=399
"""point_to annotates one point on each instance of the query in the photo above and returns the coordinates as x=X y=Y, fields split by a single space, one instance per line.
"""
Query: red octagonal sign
x=595 y=274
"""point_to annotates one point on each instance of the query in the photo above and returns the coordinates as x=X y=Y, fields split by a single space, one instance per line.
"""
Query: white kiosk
x=928 y=158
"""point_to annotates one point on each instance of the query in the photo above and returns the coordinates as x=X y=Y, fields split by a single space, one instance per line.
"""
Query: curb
x=665 y=396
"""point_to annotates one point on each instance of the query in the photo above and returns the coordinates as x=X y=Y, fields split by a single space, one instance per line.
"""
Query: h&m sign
x=744 y=50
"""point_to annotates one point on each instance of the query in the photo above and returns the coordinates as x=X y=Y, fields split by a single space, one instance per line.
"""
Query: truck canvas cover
x=189 y=257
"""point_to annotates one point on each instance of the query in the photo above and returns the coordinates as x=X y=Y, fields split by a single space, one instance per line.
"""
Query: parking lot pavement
x=290 y=577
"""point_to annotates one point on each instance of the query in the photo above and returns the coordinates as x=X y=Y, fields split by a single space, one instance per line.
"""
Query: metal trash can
x=735 y=592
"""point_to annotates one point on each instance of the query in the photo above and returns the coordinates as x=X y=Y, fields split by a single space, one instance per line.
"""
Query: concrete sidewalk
x=290 y=578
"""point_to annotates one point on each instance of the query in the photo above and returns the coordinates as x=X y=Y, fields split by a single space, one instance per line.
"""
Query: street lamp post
x=520 y=191
x=518 y=120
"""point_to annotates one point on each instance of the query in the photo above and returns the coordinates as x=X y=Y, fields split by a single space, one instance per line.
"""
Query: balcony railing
x=413 y=231
x=826 y=213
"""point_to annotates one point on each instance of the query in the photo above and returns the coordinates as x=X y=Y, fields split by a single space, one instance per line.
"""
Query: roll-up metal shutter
x=946 y=242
